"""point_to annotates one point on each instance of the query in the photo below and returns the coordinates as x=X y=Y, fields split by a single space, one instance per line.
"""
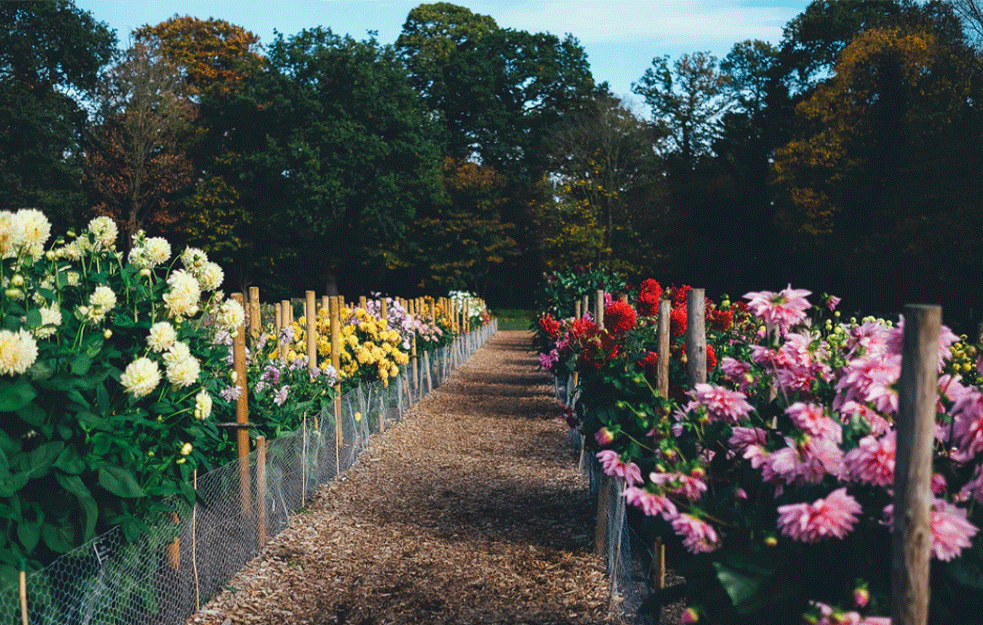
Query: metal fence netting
x=191 y=552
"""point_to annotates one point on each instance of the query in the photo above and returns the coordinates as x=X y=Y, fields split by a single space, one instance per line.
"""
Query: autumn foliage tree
x=137 y=165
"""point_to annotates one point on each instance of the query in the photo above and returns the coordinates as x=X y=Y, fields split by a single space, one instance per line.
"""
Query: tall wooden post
x=255 y=323
x=362 y=301
x=336 y=363
x=911 y=541
x=585 y=305
x=577 y=311
x=662 y=366
x=242 y=412
x=311 y=319
x=287 y=318
x=696 y=337
x=599 y=308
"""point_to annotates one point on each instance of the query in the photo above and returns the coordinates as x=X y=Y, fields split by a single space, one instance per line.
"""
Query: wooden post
x=261 y=490
x=194 y=542
x=325 y=303
x=599 y=308
x=384 y=309
x=255 y=325
x=303 y=461
x=287 y=317
x=696 y=337
x=311 y=318
x=577 y=312
x=411 y=309
x=242 y=413
x=911 y=541
x=361 y=302
x=174 y=547
x=336 y=363
x=585 y=305
x=277 y=317
x=662 y=366
x=23 y=593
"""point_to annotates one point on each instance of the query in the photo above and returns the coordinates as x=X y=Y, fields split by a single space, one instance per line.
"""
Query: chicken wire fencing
x=629 y=559
x=191 y=552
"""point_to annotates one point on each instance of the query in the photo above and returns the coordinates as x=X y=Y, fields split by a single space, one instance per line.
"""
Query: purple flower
x=281 y=395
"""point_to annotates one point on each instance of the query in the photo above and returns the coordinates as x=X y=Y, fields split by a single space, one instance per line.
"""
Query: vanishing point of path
x=471 y=510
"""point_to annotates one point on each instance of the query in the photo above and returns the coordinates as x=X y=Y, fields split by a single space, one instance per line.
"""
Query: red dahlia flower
x=619 y=317
x=550 y=326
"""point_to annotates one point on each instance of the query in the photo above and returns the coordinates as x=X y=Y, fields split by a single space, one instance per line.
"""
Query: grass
x=512 y=318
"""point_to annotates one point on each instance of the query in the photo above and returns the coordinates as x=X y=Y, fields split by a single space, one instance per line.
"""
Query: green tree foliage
x=344 y=155
x=458 y=242
x=50 y=54
x=604 y=206
x=880 y=180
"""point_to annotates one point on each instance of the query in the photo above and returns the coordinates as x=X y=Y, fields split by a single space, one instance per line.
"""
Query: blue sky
x=621 y=37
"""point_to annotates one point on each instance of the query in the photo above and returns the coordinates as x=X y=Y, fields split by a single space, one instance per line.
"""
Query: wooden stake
x=599 y=308
x=336 y=363
x=696 y=337
x=255 y=323
x=577 y=310
x=242 y=413
x=174 y=548
x=194 y=541
x=287 y=315
x=303 y=461
x=911 y=541
x=585 y=305
x=23 y=594
x=311 y=319
x=662 y=366
x=362 y=302
x=261 y=490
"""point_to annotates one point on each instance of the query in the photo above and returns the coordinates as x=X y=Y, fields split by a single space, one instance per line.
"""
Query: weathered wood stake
x=261 y=490
x=662 y=366
x=242 y=412
x=696 y=337
x=311 y=319
x=911 y=541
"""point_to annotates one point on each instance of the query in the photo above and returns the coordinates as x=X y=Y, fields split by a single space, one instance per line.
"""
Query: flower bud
x=861 y=596
x=17 y=280
x=14 y=294
x=186 y=449
x=145 y=273
x=604 y=436
x=107 y=334
x=690 y=615
x=771 y=541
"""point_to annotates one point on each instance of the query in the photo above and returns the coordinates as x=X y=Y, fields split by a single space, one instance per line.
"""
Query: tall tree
x=50 y=54
x=879 y=183
x=219 y=61
x=688 y=99
x=137 y=163
x=345 y=153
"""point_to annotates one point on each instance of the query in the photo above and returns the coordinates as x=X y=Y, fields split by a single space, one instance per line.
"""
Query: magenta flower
x=781 y=310
x=872 y=460
x=742 y=438
x=689 y=486
x=698 y=536
x=612 y=465
x=650 y=503
x=967 y=426
x=870 y=379
x=722 y=404
x=946 y=338
x=832 y=302
x=832 y=517
x=281 y=395
x=951 y=532
x=878 y=424
x=811 y=418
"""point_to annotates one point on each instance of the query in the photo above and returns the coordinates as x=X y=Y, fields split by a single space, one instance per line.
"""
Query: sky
x=620 y=37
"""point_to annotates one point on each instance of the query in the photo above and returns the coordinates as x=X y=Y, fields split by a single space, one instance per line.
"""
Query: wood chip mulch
x=470 y=510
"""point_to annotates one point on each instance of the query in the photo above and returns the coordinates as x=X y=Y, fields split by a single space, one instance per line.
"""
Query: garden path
x=470 y=510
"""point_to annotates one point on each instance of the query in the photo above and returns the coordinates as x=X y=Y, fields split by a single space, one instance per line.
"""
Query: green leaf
x=33 y=318
x=16 y=395
x=119 y=482
x=81 y=364
x=740 y=586
x=28 y=533
x=102 y=398
x=74 y=485
x=32 y=414
x=44 y=456
x=58 y=537
x=70 y=461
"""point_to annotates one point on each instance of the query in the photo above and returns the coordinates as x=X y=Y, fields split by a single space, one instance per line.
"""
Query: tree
x=50 y=54
x=688 y=99
x=603 y=157
x=210 y=53
x=460 y=240
x=219 y=62
x=342 y=152
x=431 y=34
x=879 y=183
x=971 y=13
x=136 y=163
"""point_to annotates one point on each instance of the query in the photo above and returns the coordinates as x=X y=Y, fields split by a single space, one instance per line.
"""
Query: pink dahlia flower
x=689 y=486
x=832 y=517
x=650 y=503
x=722 y=404
x=967 y=426
x=612 y=465
x=781 y=310
x=872 y=460
x=811 y=418
x=951 y=532
x=698 y=536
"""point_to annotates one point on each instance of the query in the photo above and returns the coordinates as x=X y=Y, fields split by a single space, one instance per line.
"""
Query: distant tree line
x=848 y=158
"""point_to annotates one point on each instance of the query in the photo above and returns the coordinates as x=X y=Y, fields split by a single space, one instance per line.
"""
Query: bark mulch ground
x=471 y=510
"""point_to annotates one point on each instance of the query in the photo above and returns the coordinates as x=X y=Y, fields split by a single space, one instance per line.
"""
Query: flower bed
x=771 y=482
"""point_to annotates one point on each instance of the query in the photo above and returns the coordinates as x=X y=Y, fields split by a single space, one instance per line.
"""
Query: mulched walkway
x=471 y=510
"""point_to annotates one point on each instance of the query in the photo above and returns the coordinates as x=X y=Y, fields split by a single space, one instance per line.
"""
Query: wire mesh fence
x=191 y=552
x=629 y=558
